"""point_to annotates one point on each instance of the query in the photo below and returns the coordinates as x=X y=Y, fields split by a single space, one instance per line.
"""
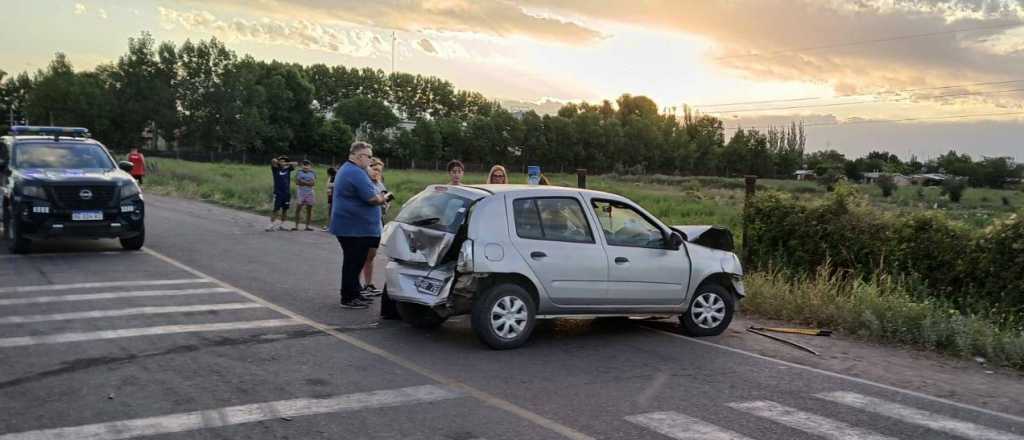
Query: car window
x=435 y=209
x=556 y=219
x=60 y=156
x=624 y=226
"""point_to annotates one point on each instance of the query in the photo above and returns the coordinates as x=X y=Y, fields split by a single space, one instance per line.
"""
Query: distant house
x=805 y=175
x=932 y=179
x=899 y=179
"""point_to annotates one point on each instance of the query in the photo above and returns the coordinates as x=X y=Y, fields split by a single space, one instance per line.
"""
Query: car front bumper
x=58 y=223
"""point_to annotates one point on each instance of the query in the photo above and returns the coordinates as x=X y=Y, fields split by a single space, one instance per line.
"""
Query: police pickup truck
x=56 y=182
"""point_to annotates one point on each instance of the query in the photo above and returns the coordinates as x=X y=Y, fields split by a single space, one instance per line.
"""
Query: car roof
x=49 y=139
x=542 y=189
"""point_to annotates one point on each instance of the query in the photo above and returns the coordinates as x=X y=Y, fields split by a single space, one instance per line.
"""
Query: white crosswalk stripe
x=807 y=422
x=682 y=427
x=235 y=415
x=48 y=287
x=128 y=312
x=143 y=331
x=110 y=295
x=918 y=417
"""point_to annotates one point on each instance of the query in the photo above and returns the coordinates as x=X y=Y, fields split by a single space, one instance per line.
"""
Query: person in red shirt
x=139 y=164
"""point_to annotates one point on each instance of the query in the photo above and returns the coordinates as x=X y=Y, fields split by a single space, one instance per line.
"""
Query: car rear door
x=556 y=239
x=642 y=271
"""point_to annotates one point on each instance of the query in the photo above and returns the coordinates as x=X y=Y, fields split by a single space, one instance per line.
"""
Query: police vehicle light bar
x=27 y=130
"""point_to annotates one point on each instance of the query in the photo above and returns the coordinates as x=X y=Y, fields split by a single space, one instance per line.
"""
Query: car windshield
x=60 y=156
x=435 y=209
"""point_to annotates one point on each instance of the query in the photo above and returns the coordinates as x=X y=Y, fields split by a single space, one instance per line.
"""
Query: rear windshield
x=60 y=156
x=435 y=209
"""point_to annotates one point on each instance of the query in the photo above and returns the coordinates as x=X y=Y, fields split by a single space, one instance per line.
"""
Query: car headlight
x=129 y=189
x=33 y=191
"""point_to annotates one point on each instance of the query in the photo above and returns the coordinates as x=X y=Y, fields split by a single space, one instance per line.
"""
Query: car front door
x=642 y=270
x=555 y=238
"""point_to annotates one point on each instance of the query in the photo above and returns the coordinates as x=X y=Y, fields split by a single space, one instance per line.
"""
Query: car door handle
x=621 y=260
x=536 y=255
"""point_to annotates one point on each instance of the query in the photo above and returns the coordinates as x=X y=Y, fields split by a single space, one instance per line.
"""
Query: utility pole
x=393 y=52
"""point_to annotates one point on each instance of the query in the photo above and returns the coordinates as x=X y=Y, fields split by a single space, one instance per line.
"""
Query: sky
x=913 y=77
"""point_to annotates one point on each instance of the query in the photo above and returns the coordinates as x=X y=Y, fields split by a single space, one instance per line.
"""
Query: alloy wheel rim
x=708 y=310
x=509 y=317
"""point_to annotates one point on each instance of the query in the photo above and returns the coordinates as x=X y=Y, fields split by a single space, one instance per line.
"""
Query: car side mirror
x=126 y=166
x=676 y=240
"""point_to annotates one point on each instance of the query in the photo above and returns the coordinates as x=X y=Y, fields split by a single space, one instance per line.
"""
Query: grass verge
x=883 y=310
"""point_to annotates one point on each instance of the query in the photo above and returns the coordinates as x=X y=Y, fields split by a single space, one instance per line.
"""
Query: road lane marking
x=236 y=415
x=143 y=331
x=48 y=287
x=129 y=312
x=883 y=386
x=807 y=422
x=111 y=295
x=478 y=394
x=918 y=417
x=681 y=427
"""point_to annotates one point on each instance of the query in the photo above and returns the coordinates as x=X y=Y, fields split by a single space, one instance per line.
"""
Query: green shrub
x=887 y=184
x=954 y=188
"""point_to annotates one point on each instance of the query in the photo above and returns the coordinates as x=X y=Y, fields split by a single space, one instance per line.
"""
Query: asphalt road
x=220 y=330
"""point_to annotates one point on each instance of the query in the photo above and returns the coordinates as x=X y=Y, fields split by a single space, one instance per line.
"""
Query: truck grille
x=70 y=196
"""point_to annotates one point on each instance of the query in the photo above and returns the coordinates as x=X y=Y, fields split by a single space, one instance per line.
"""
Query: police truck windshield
x=60 y=156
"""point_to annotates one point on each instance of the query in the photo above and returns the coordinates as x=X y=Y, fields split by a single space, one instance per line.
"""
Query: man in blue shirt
x=356 y=220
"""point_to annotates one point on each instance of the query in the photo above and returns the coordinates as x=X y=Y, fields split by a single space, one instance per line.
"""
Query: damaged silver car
x=509 y=255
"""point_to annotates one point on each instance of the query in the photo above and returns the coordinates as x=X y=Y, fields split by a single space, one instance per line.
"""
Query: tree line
x=203 y=96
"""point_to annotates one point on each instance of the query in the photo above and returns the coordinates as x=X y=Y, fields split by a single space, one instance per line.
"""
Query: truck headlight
x=33 y=191
x=465 y=263
x=129 y=189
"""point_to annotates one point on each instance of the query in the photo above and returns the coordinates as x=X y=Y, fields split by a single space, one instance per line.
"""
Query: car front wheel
x=17 y=243
x=710 y=312
x=135 y=243
x=504 y=316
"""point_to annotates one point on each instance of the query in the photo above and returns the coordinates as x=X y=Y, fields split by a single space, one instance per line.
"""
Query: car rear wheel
x=17 y=243
x=135 y=243
x=504 y=316
x=710 y=312
x=419 y=316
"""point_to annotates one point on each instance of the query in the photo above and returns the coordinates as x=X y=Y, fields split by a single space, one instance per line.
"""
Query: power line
x=888 y=121
x=837 y=104
x=862 y=42
x=772 y=101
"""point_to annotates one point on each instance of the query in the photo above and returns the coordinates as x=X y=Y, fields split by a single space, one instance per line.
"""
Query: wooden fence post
x=751 y=190
x=581 y=177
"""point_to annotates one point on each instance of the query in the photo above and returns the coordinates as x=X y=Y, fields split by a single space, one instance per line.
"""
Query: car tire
x=492 y=311
x=419 y=316
x=135 y=243
x=710 y=311
x=17 y=243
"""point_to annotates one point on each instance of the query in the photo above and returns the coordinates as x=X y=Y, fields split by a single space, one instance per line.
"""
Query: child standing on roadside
x=305 y=180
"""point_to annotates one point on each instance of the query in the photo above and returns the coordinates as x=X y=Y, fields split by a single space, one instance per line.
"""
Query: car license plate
x=86 y=215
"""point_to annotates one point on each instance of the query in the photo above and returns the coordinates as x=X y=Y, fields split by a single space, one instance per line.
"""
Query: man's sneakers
x=353 y=304
x=371 y=290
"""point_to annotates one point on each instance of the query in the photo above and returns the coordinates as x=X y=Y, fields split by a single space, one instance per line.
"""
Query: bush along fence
x=976 y=270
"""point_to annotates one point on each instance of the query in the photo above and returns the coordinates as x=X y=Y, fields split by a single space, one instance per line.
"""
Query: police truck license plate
x=86 y=215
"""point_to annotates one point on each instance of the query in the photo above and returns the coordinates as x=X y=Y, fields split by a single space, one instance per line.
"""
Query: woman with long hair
x=498 y=175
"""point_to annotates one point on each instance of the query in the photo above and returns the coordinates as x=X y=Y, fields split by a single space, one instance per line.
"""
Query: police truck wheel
x=135 y=243
x=17 y=243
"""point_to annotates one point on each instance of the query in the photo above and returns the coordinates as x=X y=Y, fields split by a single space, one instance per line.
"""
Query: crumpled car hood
x=414 y=244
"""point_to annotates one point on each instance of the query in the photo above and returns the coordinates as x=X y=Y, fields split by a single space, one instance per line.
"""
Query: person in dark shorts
x=281 y=168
